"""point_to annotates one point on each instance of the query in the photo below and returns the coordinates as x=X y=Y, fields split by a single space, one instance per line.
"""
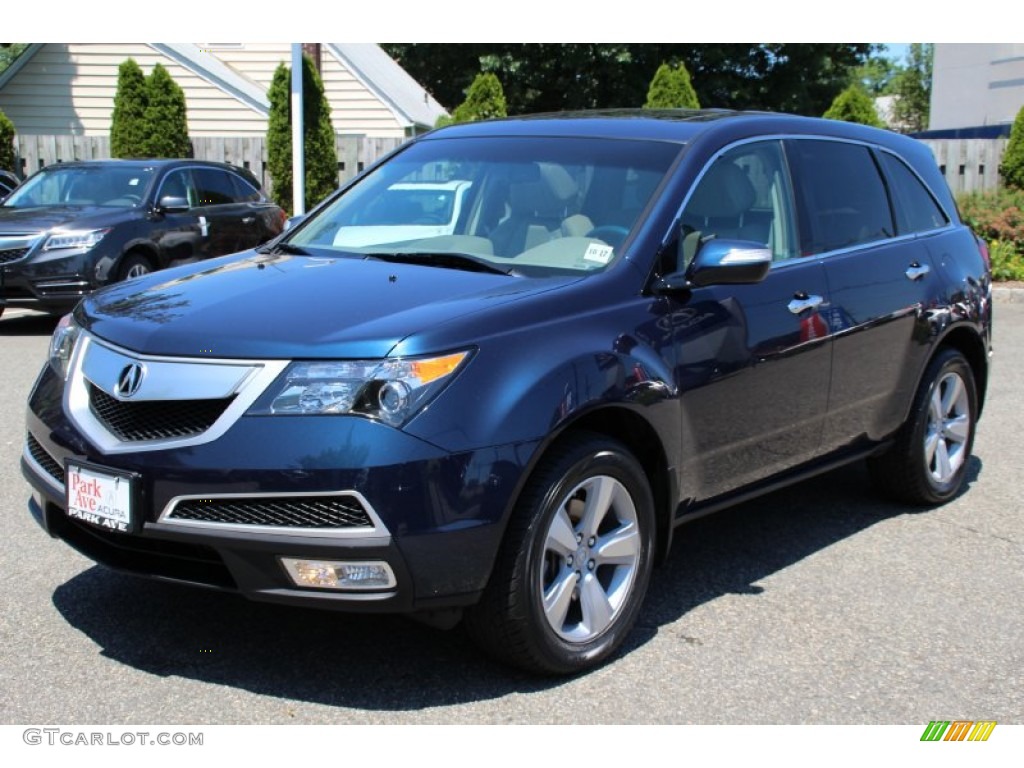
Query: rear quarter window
x=916 y=209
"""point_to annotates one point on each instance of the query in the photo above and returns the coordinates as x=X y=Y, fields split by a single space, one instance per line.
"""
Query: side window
x=213 y=186
x=745 y=195
x=842 y=193
x=177 y=184
x=916 y=209
x=244 y=191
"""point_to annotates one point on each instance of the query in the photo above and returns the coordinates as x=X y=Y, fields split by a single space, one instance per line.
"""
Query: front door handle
x=802 y=302
x=916 y=271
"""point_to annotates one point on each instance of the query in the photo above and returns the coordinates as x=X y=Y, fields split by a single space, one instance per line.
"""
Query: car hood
x=253 y=306
x=43 y=218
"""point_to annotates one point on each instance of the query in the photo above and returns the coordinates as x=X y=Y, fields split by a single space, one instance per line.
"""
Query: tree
x=165 y=117
x=1011 y=169
x=671 y=88
x=912 y=86
x=485 y=99
x=9 y=52
x=801 y=78
x=875 y=75
x=320 y=156
x=6 y=143
x=128 y=122
x=854 y=105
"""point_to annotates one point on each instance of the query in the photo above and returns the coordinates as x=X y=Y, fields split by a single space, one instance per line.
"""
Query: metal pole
x=298 y=147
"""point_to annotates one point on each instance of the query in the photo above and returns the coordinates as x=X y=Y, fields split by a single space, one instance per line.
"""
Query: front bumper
x=54 y=280
x=435 y=518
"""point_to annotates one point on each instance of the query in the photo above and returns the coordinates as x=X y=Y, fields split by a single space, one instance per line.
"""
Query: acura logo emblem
x=130 y=380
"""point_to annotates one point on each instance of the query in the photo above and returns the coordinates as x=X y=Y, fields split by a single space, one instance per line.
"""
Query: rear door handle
x=916 y=271
x=248 y=219
x=802 y=302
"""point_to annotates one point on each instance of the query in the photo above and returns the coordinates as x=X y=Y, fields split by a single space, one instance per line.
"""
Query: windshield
x=532 y=205
x=116 y=187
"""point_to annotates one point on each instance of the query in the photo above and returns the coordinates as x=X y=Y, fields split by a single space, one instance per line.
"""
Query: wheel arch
x=969 y=343
x=646 y=445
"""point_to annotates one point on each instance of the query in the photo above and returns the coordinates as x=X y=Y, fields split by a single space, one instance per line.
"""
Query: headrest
x=725 y=191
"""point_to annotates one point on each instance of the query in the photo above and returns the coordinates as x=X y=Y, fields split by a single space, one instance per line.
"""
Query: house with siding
x=64 y=89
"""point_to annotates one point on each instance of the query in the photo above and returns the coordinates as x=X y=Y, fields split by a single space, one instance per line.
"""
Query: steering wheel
x=611 y=234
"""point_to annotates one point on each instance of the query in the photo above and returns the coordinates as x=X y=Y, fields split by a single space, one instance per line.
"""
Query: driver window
x=744 y=194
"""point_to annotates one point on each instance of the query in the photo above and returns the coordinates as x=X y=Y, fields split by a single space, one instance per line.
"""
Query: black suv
x=631 y=320
x=74 y=227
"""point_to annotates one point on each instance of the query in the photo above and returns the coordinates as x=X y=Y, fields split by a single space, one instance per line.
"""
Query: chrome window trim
x=377 y=530
x=250 y=386
x=781 y=137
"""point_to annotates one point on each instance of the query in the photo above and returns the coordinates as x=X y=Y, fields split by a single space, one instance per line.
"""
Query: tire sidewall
x=129 y=260
x=949 y=362
x=607 y=461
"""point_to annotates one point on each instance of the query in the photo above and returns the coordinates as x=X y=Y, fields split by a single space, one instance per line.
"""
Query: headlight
x=62 y=345
x=389 y=390
x=74 y=238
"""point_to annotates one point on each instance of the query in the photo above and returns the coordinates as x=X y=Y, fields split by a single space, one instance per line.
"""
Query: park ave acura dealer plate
x=100 y=497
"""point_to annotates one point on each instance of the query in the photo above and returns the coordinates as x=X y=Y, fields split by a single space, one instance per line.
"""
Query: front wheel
x=134 y=265
x=575 y=564
x=929 y=460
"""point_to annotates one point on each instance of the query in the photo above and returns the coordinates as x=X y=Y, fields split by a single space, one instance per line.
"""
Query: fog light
x=332 y=574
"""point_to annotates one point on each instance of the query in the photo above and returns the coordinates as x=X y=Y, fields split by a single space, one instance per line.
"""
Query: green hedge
x=998 y=217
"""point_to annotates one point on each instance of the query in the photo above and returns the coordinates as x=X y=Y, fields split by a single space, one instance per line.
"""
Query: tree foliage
x=128 y=122
x=671 y=88
x=149 y=118
x=6 y=143
x=9 y=52
x=165 y=117
x=912 y=86
x=1011 y=169
x=320 y=156
x=854 y=105
x=802 y=78
x=485 y=99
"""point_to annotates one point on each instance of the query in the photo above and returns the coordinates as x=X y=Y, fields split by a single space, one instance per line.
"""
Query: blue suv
x=635 y=319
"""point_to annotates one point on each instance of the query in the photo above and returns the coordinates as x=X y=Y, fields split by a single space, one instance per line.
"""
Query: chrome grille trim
x=374 y=528
x=98 y=364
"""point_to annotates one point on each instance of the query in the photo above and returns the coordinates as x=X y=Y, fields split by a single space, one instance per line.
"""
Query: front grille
x=12 y=254
x=155 y=420
x=45 y=460
x=290 y=512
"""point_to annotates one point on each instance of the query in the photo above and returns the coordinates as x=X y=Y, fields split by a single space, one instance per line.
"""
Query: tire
x=575 y=562
x=133 y=265
x=928 y=462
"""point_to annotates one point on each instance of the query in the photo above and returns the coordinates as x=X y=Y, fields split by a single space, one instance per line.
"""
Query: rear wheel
x=134 y=264
x=928 y=462
x=575 y=563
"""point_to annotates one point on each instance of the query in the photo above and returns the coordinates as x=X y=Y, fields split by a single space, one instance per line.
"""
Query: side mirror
x=293 y=221
x=172 y=204
x=721 y=262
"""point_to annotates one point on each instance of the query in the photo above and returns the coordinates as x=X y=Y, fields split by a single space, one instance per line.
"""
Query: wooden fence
x=969 y=165
x=354 y=152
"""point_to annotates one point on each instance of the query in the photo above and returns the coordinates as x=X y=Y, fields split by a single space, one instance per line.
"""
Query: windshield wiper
x=279 y=248
x=445 y=260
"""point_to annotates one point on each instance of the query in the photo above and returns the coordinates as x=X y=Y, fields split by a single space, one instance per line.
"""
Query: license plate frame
x=101 y=497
